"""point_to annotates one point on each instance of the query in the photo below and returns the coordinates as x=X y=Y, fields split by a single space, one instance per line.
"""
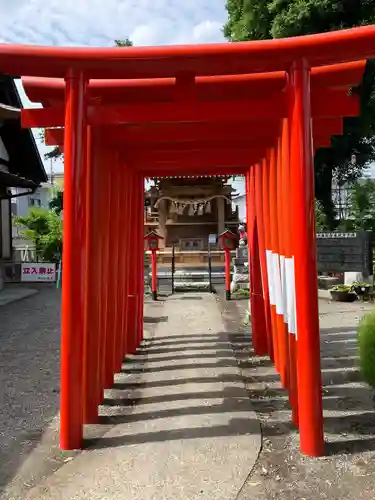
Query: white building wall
x=5 y=225
x=240 y=202
x=22 y=205
x=3 y=152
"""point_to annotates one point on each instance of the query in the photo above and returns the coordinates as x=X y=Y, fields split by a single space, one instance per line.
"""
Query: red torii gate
x=256 y=108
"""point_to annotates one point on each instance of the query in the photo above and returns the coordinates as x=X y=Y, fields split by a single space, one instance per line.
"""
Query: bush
x=44 y=228
x=366 y=345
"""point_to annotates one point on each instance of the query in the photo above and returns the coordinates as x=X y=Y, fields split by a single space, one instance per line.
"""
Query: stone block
x=327 y=282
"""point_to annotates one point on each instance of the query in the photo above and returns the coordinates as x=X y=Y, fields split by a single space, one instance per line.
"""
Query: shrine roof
x=25 y=163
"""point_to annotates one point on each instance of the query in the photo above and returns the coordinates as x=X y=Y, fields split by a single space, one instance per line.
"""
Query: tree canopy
x=44 y=228
x=56 y=202
x=124 y=43
x=263 y=19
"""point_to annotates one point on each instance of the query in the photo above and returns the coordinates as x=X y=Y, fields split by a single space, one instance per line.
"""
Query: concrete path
x=184 y=427
x=13 y=293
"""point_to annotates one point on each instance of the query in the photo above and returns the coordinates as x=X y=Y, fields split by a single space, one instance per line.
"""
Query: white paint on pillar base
x=284 y=287
x=291 y=295
x=269 y=262
x=277 y=283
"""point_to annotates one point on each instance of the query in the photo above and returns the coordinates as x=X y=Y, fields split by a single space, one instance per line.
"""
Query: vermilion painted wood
x=272 y=107
x=141 y=266
x=211 y=131
x=196 y=101
x=328 y=104
x=278 y=239
x=229 y=157
x=303 y=200
x=124 y=228
x=181 y=147
x=115 y=260
x=92 y=290
x=171 y=132
x=105 y=243
x=201 y=60
x=287 y=234
x=161 y=89
x=272 y=247
x=258 y=330
x=190 y=170
x=259 y=188
x=109 y=342
x=129 y=216
x=132 y=311
x=206 y=88
x=71 y=411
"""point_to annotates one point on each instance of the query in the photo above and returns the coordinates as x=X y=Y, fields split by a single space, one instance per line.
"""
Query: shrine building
x=185 y=211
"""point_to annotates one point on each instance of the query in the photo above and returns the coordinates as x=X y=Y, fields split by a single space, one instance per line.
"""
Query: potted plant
x=343 y=293
x=361 y=288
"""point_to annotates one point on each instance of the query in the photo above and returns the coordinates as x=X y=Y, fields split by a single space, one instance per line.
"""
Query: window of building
x=35 y=202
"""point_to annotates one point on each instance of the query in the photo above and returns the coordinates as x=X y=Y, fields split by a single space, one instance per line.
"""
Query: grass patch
x=242 y=293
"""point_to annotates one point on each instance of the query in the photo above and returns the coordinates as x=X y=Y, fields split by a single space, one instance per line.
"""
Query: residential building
x=240 y=202
x=21 y=167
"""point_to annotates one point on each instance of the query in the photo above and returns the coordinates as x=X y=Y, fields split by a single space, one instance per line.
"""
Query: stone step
x=184 y=286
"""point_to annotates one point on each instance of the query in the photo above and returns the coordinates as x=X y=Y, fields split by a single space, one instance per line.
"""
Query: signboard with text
x=33 y=272
x=345 y=252
x=212 y=239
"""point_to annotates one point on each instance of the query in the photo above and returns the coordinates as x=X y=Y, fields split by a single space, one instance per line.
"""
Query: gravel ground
x=29 y=376
x=29 y=391
x=347 y=471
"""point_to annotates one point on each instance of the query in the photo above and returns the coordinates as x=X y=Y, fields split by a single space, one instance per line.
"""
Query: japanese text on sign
x=42 y=271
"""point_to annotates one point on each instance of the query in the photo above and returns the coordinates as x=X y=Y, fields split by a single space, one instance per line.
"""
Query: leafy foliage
x=361 y=213
x=55 y=152
x=44 y=228
x=366 y=345
x=124 y=43
x=264 y=19
x=321 y=219
x=57 y=202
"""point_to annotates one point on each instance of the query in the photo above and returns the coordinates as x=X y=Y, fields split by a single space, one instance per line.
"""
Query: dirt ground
x=282 y=472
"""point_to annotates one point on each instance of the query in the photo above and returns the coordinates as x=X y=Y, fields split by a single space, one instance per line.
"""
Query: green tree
x=361 y=211
x=263 y=19
x=44 y=228
x=57 y=202
x=55 y=152
x=321 y=219
x=124 y=43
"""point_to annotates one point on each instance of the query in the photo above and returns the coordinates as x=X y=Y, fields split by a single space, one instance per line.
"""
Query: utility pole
x=51 y=172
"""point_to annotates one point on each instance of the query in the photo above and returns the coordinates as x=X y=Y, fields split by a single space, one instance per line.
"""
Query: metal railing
x=171 y=270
